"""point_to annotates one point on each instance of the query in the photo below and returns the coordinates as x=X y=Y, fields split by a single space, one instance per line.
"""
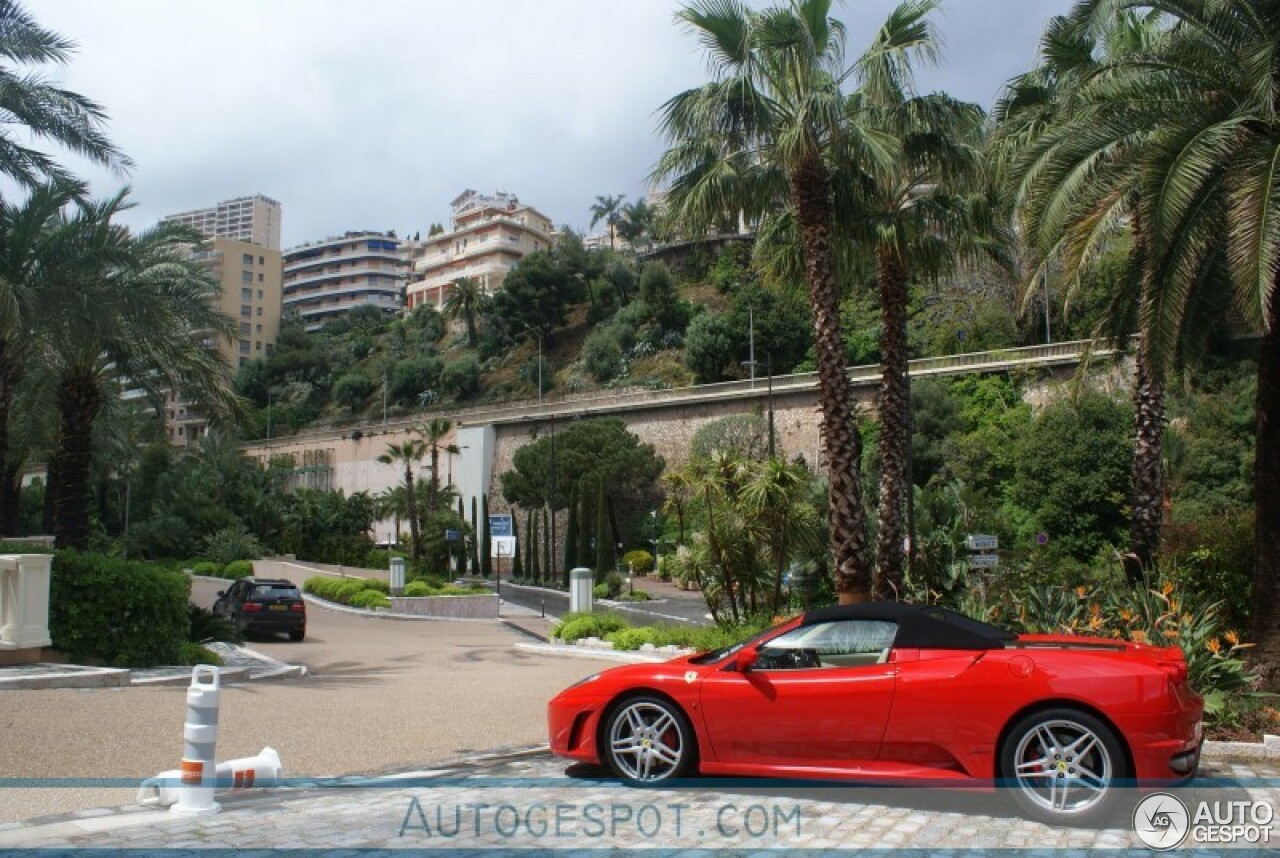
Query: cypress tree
x=475 y=537
x=486 y=544
x=585 y=557
x=460 y=561
x=571 y=530
x=604 y=542
x=535 y=550
x=548 y=561
x=517 y=567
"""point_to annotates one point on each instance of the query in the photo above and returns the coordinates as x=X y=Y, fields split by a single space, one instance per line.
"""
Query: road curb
x=621 y=657
x=1267 y=749
x=74 y=676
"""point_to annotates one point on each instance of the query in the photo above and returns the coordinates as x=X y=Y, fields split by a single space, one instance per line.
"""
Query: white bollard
x=198 y=769
x=263 y=770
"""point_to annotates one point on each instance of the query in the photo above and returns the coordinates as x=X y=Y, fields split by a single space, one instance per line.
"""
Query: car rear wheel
x=298 y=635
x=1060 y=766
x=648 y=739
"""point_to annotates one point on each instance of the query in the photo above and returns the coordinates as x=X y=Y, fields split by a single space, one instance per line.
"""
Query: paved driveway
x=380 y=693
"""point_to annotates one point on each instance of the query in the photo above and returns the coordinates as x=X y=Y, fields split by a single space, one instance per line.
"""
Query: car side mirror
x=746 y=659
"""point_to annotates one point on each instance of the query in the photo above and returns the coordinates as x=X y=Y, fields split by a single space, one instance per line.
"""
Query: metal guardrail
x=1055 y=354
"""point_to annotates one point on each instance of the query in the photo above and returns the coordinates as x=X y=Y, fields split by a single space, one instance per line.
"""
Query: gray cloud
x=376 y=114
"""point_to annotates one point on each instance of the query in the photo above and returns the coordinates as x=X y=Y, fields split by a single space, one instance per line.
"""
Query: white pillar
x=24 y=601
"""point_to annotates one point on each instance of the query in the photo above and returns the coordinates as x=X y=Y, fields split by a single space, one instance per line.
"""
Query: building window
x=248 y=259
x=244 y=361
x=247 y=312
x=259 y=311
x=261 y=261
x=259 y=293
x=246 y=277
x=244 y=347
x=259 y=329
x=246 y=294
x=244 y=328
x=261 y=277
x=257 y=346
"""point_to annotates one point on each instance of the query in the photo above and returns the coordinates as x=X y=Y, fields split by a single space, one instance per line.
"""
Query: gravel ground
x=380 y=694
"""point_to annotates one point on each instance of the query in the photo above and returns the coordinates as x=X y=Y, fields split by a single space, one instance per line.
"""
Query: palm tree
x=636 y=223
x=1069 y=156
x=46 y=112
x=1200 y=104
x=606 y=209
x=913 y=210
x=760 y=132
x=777 y=495
x=123 y=310
x=27 y=231
x=407 y=454
x=432 y=433
x=465 y=301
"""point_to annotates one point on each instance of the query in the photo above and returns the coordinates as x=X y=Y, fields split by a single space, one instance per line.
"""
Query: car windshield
x=717 y=654
x=274 y=591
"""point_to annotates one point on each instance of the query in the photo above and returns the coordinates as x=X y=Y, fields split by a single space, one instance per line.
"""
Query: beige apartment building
x=250 y=275
x=327 y=279
x=489 y=235
x=254 y=219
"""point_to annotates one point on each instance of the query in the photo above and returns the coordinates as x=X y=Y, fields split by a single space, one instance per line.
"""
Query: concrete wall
x=481 y=607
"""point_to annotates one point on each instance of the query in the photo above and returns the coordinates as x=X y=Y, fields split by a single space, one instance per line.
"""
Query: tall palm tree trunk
x=810 y=185
x=411 y=507
x=1147 y=473
x=1266 y=501
x=893 y=405
x=79 y=401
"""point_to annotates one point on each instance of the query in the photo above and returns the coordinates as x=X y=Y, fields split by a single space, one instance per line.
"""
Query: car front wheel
x=1060 y=766
x=648 y=739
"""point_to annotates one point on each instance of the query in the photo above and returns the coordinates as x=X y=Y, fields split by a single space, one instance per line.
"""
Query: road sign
x=984 y=561
x=981 y=542
x=1042 y=538
x=502 y=546
x=499 y=525
x=452 y=536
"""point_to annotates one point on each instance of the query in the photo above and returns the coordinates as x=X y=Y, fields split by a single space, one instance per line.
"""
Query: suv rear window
x=274 y=591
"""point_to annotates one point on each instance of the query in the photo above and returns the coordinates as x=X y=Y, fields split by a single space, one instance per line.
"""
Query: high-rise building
x=489 y=236
x=329 y=278
x=250 y=275
x=254 y=219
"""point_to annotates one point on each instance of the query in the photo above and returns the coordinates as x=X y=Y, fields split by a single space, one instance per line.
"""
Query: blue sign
x=452 y=536
x=500 y=525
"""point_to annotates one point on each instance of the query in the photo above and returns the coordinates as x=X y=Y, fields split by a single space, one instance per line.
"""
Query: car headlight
x=592 y=678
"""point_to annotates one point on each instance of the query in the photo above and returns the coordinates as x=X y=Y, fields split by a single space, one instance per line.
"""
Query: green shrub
x=417 y=588
x=633 y=639
x=118 y=612
x=207 y=569
x=237 y=569
x=194 y=653
x=205 y=626
x=601 y=591
x=348 y=589
x=575 y=626
x=383 y=587
x=232 y=543
x=640 y=560
x=369 y=599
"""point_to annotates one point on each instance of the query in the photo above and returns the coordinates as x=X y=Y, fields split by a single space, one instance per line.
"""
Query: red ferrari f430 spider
x=896 y=693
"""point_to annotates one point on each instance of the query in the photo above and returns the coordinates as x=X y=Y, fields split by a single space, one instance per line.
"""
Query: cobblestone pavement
x=533 y=801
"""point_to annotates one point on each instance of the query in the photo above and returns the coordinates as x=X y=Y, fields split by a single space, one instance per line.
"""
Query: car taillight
x=298 y=607
x=1176 y=671
x=252 y=607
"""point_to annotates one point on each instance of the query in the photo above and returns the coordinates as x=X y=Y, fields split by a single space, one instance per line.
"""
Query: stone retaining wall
x=480 y=607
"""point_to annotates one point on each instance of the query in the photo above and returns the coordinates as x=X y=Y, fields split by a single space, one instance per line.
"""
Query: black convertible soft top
x=919 y=626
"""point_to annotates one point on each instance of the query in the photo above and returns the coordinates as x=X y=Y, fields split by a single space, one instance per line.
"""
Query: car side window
x=844 y=643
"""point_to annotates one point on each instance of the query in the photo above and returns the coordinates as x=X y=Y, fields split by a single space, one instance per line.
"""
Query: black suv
x=264 y=605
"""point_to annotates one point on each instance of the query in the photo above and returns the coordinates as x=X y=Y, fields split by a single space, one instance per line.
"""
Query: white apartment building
x=489 y=235
x=254 y=219
x=329 y=278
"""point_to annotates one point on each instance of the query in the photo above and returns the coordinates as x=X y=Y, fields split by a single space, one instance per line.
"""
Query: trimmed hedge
x=206 y=569
x=121 y=613
x=369 y=599
x=237 y=569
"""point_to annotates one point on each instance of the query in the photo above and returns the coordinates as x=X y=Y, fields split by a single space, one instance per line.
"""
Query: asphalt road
x=671 y=607
x=379 y=694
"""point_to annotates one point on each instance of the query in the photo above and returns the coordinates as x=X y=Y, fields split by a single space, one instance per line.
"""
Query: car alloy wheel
x=648 y=740
x=1061 y=765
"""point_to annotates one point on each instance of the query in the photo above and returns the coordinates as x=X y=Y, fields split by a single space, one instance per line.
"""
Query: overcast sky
x=376 y=114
